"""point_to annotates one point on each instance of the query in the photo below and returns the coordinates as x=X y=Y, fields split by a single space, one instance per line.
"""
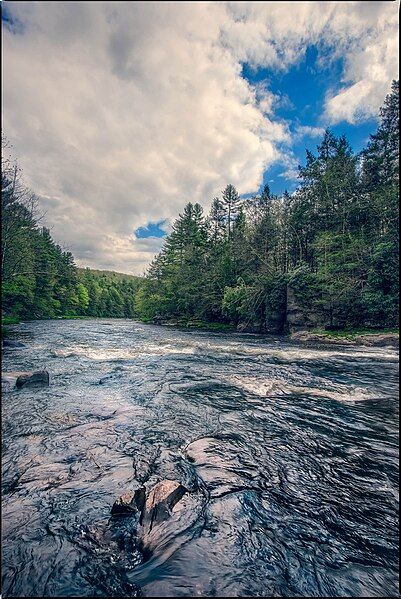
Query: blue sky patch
x=151 y=230
x=301 y=92
x=11 y=23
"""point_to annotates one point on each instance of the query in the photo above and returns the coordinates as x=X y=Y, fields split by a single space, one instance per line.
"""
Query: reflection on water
x=290 y=454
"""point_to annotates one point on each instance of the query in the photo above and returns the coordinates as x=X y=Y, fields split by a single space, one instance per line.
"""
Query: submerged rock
x=159 y=503
x=129 y=503
x=12 y=343
x=20 y=379
x=38 y=377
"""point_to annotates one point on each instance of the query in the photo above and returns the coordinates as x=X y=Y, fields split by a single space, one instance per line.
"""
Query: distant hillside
x=110 y=294
x=109 y=274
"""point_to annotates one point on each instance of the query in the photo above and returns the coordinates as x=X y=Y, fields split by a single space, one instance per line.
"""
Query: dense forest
x=39 y=278
x=325 y=255
x=110 y=294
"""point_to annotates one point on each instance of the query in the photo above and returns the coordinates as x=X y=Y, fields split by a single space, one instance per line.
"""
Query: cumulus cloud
x=308 y=131
x=123 y=112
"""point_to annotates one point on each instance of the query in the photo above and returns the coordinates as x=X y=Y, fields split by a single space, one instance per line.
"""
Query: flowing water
x=289 y=453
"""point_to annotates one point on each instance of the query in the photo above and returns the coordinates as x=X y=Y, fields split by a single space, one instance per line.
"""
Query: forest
x=39 y=279
x=324 y=256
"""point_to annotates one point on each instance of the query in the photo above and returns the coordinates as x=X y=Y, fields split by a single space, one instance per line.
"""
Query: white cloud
x=121 y=112
x=290 y=164
x=308 y=131
x=371 y=70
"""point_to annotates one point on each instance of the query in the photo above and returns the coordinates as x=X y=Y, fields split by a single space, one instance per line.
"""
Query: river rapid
x=293 y=456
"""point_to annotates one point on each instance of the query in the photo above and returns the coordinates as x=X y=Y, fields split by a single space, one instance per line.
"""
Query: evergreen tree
x=231 y=205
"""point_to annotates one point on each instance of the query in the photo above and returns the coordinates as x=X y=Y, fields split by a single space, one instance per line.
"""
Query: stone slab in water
x=39 y=377
x=12 y=343
x=20 y=379
x=160 y=501
x=129 y=503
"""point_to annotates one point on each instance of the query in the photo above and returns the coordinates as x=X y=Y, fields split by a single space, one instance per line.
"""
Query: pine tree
x=231 y=204
x=216 y=220
x=381 y=157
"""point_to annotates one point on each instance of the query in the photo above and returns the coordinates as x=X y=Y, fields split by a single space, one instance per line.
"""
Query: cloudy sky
x=120 y=113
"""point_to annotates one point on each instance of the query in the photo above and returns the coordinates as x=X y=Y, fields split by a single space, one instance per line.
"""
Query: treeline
x=110 y=294
x=39 y=278
x=326 y=255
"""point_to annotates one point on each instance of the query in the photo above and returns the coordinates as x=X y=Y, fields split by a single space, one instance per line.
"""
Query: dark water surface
x=293 y=464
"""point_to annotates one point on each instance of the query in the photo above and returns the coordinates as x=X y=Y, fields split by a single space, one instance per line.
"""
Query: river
x=296 y=459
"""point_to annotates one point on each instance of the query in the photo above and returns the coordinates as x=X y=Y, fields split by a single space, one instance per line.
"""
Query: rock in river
x=38 y=377
x=129 y=503
x=168 y=517
x=20 y=379
x=160 y=502
x=12 y=343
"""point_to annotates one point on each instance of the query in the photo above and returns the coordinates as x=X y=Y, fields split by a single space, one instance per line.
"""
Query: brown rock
x=20 y=379
x=159 y=503
x=39 y=377
x=129 y=503
x=379 y=340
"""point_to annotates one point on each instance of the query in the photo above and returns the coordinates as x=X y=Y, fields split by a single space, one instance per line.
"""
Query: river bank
x=366 y=337
x=372 y=338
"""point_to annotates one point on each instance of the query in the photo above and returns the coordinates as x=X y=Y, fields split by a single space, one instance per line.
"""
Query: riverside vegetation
x=324 y=256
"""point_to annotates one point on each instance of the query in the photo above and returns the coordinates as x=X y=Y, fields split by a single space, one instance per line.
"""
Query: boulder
x=159 y=504
x=168 y=536
x=275 y=322
x=129 y=503
x=20 y=379
x=297 y=316
x=249 y=327
x=38 y=377
x=168 y=518
x=379 y=339
x=12 y=343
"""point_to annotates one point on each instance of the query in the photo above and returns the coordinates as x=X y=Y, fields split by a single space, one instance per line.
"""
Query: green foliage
x=9 y=320
x=333 y=244
x=39 y=279
x=106 y=294
x=236 y=301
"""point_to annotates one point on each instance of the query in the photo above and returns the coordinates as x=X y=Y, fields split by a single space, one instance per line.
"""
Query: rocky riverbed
x=252 y=466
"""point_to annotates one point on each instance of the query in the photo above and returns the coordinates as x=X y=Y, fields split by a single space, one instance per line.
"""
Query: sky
x=122 y=112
